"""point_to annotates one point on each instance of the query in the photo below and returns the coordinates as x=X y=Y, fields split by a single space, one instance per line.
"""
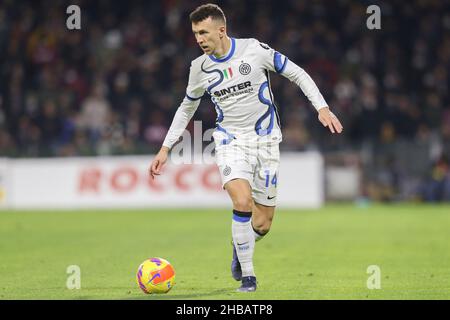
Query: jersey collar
x=228 y=56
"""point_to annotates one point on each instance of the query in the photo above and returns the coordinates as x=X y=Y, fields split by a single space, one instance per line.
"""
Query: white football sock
x=244 y=240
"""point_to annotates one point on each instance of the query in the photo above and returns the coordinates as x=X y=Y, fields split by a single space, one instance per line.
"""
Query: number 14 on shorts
x=273 y=182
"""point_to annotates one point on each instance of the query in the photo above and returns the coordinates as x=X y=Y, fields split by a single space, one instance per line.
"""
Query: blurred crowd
x=113 y=86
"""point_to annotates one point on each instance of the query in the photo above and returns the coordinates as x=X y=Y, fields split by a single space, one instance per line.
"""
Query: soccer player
x=235 y=73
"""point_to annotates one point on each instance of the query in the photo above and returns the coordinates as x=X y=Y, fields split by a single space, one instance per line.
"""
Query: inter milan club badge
x=245 y=68
x=226 y=171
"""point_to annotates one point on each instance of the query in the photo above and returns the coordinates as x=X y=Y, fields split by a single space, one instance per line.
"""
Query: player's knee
x=243 y=203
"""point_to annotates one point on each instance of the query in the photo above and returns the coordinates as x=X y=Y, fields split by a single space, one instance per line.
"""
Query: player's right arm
x=185 y=111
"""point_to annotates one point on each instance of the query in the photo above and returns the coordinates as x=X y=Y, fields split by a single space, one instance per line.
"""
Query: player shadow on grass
x=137 y=295
x=174 y=296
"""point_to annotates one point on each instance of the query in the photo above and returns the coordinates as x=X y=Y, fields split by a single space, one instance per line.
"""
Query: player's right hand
x=158 y=162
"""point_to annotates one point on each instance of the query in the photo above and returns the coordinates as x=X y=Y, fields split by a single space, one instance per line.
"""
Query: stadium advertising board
x=123 y=182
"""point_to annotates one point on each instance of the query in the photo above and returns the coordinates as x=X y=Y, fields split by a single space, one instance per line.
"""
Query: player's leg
x=264 y=191
x=240 y=193
x=236 y=173
x=262 y=217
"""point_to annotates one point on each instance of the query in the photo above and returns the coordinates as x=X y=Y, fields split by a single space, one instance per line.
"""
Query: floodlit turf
x=309 y=254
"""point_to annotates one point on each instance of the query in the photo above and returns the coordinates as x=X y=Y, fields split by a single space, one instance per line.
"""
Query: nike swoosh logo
x=270 y=198
x=157 y=275
x=209 y=81
x=241 y=244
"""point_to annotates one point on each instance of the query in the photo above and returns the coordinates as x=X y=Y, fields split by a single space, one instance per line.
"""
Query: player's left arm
x=277 y=62
x=299 y=76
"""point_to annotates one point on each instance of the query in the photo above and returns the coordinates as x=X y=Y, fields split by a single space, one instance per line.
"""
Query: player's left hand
x=328 y=119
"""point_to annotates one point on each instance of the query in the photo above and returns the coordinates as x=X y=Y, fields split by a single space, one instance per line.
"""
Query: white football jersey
x=239 y=87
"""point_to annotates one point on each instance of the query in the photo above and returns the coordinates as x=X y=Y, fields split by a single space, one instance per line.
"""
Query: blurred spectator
x=155 y=131
x=94 y=114
x=437 y=186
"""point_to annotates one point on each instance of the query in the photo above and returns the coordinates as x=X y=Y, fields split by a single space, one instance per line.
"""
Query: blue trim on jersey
x=192 y=99
x=269 y=112
x=215 y=84
x=230 y=136
x=273 y=100
x=261 y=95
x=241 y=219
x=279 y=66
x=219 y=112
x=229 y=55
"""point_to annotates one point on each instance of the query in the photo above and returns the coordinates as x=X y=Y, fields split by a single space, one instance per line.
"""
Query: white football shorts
x=256 y=162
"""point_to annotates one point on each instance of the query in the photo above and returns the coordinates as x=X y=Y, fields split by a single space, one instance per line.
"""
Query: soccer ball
x=155 y=275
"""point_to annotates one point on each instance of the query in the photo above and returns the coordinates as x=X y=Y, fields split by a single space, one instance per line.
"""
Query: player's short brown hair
x=207 y=10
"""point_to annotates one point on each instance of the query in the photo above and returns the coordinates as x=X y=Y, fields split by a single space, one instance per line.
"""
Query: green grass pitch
x=308 y=254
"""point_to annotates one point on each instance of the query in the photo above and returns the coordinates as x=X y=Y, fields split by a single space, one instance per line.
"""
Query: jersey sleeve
x=194 y=90
x=186 y=110
x=274 y=61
